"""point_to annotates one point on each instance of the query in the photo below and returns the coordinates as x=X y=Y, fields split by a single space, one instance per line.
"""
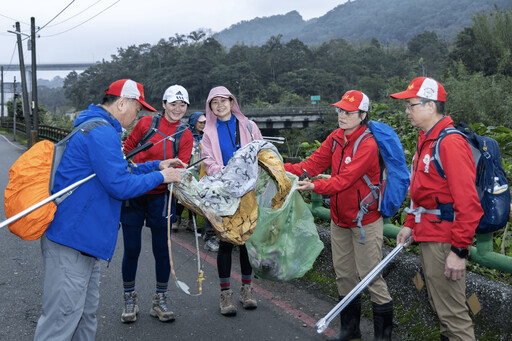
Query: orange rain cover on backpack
x=29 y=179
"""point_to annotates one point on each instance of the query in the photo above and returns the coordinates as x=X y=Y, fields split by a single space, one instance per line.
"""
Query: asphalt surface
x=285 y=311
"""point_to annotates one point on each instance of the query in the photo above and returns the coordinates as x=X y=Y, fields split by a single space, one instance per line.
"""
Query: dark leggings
x=224 y=260
x=132 y=245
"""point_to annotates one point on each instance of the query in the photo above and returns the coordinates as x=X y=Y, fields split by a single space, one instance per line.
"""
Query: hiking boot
x=175 y=226
x=382 y=321
x=246 y=297
x=160 y=308
x=350 y=319
x=130 y=307
x=227 y=306
x=211 y=245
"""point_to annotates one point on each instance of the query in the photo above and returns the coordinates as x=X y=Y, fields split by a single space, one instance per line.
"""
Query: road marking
x=12 y=144
x=298 y=314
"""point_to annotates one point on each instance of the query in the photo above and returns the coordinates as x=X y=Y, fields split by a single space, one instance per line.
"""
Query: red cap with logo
x=423 y=87
x=129 y=89
x=353 y=100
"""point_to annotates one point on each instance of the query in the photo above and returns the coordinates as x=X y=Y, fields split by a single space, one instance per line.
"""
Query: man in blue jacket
x=84 y=229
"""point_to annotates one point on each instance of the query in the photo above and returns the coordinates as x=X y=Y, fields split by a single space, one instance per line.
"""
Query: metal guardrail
x=482 y=253
x=44 y=132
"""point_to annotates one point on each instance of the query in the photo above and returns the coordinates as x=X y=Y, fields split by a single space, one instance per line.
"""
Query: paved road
x=285 y=311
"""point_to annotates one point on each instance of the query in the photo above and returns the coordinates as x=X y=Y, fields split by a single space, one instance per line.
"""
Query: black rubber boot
x=350 y=318
x=382 y=321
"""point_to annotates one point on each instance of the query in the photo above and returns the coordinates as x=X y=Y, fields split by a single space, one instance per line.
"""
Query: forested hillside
x=384 y=20
x=476 y=70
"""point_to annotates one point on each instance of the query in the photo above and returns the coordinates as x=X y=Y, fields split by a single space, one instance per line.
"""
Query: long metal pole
x=14 y=105
x=2 y=90
x=322 y=324
x=45 y=201
x=26 y=107
x=34 y=76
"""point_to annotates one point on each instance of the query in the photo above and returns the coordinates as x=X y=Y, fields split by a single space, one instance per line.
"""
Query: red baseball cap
x=129 y=89
x=423 y=87
x=353 y=100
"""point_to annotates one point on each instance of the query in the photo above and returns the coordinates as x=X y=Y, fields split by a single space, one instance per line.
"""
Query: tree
x=197 y=36
x=432 y=52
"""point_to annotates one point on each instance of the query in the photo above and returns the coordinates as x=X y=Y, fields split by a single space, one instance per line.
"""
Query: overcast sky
x=126 y=22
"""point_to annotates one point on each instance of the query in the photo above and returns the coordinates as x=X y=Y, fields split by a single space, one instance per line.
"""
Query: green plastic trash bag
x=285 y=243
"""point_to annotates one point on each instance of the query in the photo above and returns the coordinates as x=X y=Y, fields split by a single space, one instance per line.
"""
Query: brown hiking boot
x=227 y=306
x=246 y=297
x=160 y=308
x=130 y=307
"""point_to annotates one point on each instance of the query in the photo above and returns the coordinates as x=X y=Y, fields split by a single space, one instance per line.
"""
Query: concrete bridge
x=8 y=86
x=271 y=120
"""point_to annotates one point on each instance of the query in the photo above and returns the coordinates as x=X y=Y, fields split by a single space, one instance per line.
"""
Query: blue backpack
x=394 y=174
x=491 y=180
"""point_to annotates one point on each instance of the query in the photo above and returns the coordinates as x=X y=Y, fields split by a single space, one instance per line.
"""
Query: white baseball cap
x=176 y=93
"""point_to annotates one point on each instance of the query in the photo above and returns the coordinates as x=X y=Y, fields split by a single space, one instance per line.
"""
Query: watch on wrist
x=462 y=252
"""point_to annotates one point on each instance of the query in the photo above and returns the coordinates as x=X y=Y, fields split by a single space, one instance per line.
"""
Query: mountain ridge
x=384 y=20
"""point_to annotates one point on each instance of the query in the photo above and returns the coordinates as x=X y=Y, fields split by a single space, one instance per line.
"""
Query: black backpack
x=175 y=138
x=491 y=180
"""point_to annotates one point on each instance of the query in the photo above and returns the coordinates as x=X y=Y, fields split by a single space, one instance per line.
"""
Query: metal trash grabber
x=322 y=324
x=66 y=190
x=274 y=139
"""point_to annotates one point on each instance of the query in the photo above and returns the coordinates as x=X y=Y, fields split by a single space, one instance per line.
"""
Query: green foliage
x=486 y=46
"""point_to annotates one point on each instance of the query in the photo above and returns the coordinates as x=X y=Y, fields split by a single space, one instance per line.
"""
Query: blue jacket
x=88 y=219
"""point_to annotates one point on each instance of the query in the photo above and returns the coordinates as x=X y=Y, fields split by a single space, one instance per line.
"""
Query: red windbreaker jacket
x=346 y=186
x=428 y=189
x=157 y=152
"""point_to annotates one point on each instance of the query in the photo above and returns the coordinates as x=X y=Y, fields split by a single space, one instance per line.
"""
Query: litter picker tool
x=182 y=285
x=198 y=161
x=322 y=324
x=273 y=139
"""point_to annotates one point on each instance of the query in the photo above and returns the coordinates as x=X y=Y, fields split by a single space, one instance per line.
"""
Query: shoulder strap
x=360 y=139
x=435 y=149
x=153 y=127
x=59 y=148
x=177 y=138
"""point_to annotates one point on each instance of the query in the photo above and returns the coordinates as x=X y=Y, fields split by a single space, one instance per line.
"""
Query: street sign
x=315 y=98
x=313 y=102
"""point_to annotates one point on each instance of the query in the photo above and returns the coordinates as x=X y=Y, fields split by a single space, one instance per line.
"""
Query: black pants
x=224 y=260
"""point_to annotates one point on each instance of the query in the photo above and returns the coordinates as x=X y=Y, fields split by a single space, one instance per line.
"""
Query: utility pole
x=26 y=107
x=14 y=102
x=34 y=137
x=2 y=89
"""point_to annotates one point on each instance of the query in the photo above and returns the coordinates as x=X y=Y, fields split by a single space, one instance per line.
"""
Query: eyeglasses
x=409 y=105
x=347 y=113
x=202 y=122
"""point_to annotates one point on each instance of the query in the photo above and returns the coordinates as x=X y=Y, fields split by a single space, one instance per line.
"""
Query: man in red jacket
x=443 y=244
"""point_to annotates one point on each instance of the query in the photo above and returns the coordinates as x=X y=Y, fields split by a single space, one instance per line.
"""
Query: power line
x=56 y=15
x=1 y=15
x=12 y=56
x=72 y=28
x=74 y=15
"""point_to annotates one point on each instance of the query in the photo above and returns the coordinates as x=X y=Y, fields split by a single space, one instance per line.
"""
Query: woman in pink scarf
x=225 y=132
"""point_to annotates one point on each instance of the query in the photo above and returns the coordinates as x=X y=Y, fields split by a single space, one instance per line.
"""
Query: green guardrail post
x=483 y=254
x=390 y=230
x=317 y=208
